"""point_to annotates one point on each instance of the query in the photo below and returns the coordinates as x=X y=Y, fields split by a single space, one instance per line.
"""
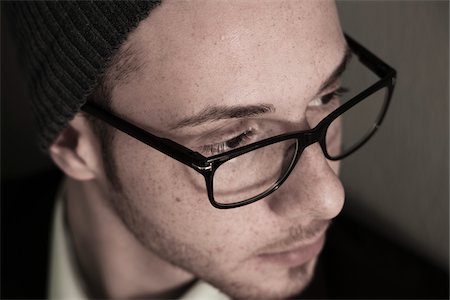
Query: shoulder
x=27 y=207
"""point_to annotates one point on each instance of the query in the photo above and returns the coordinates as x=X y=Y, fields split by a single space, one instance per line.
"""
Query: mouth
x=296 y=256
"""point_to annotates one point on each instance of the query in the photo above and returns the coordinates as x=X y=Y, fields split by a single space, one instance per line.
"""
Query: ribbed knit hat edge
x=69 y=46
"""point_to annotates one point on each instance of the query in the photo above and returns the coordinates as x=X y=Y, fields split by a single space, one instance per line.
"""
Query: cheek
x=172 y=198
x=155 y=182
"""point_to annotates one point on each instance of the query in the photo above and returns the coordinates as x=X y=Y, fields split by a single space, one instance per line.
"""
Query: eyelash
x=230 y=144
x=325 y=99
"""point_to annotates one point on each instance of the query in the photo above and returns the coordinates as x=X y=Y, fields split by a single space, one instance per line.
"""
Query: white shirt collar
x=65 y=281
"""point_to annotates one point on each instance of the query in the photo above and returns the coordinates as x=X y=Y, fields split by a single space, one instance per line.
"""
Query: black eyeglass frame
x=207 y=166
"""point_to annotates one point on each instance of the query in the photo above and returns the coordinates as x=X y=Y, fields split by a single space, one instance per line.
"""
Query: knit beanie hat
x=66 y=47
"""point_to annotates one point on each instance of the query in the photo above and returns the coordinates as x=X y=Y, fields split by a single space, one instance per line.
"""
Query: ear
x=76 y=151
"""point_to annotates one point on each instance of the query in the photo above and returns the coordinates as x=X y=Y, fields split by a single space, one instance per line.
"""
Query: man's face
x=195 y=55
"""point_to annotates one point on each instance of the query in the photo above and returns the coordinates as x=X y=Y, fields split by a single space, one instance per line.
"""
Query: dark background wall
x=399 y=182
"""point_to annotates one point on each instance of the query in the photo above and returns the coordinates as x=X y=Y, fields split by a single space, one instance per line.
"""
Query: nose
x=312 y=191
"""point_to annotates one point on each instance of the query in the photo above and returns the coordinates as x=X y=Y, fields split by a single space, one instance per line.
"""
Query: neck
x=112 y=261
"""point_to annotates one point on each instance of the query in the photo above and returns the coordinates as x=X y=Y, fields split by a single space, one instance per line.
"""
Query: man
x=154 y=231
x=212 y=76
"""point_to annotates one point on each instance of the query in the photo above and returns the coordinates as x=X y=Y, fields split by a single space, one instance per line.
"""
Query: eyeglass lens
x=253 y=173
x=353 y=126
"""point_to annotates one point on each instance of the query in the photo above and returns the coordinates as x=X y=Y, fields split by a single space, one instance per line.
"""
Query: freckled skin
x=200 y=53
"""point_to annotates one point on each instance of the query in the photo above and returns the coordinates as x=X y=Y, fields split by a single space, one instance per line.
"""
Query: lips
x=296 y=256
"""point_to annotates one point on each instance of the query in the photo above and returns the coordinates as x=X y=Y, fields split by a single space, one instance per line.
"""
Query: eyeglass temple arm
x=177 y=151
x=371 y=61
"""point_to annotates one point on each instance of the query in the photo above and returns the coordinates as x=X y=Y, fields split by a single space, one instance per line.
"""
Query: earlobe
x=68 y=153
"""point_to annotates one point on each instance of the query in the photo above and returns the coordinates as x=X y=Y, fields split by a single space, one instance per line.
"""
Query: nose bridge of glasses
x=310 y=137
x=306 y=139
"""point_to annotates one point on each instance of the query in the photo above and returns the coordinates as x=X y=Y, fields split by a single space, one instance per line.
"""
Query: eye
x=325 y=99
x=235 y=142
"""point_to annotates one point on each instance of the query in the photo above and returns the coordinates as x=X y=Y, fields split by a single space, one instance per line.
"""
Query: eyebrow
x=337 y=71
x=216 y=113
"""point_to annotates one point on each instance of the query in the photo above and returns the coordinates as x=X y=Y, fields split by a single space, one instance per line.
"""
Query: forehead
x=195 y=54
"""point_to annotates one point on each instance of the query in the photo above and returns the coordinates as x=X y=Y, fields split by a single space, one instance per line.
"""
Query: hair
x=101 y=96
x=120 y=69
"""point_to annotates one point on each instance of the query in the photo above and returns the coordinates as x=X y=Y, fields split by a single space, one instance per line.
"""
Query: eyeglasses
x=248 y=173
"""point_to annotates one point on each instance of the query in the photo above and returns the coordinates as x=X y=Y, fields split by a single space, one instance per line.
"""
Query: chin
x=291 y=283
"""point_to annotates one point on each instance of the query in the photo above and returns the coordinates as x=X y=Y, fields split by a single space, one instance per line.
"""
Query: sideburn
x=105 y=134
